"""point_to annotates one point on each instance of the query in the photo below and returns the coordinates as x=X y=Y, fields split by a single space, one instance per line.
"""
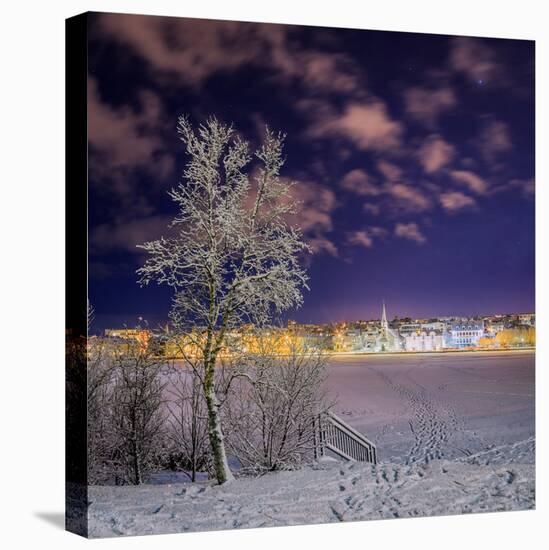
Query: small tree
x=137 y=420
x=234 y=258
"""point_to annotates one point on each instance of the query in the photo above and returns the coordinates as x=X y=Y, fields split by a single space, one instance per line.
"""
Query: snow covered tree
x=234 y=258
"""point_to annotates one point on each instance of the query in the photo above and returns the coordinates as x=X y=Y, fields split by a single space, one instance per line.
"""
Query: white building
x=423 y=341
x=466 y=334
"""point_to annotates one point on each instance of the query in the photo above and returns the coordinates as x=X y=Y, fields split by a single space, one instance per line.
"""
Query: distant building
x=527 y=319
x=408 y=329
x=493 y=327
x=142 y=336
x=437 y=326
x=466 y=333
x=424 y=341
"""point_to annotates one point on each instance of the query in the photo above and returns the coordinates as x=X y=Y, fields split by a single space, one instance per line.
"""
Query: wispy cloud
x=410 y=231
x=365 y=237
x=126 y=137
x=367 y=125
x=315 y=217
x=456 y=200
x=408 y=198
x=426 y=104
x=193 y=50
x=471 y=180
x=494 y=140
x=475 y=59
x=393 y=194
x=188 y=49
x=390 y=171
x=435 y=153
x=360 y=183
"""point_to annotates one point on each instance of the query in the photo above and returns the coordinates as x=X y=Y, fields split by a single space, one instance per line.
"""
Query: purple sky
x=414 y=156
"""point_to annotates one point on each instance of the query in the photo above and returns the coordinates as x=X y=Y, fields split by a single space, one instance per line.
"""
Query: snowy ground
x=417 y=407
x=455 y=434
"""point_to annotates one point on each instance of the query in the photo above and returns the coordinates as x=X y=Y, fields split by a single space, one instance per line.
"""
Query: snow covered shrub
x=187 y=424
x=137 y=419
x=100 y=442
x=270 y=410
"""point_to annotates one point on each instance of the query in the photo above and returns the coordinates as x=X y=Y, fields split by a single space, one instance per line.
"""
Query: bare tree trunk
x=136 y=466
x=215 y=431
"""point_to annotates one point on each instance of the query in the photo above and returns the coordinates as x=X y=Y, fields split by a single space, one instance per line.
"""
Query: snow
x=455 y=434
x=449 y=404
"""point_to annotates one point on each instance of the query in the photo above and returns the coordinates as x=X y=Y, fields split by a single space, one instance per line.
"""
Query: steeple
x=384 y=324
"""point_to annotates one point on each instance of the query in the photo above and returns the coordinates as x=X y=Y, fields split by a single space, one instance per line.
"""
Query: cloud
x=409 y=198
x=193 y=50
x=315 y=214
x=125 y=137
x=475 y=59
x=494 y=140
x=328 y=72
x=367 y=125
x=360 y=183
x=474 y=182
x=322 y=244
x=317 y=205
x=426 y=104
x=409 y=231
x=526 y=186
x=361 y=238
x=456 y=200
x=391 y=171
x=435 y=153
x=365 y=237
x=394 y=195
x=125 y=234
x=126 y=142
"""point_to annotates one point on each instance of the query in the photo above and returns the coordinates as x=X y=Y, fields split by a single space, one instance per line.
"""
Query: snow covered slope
x=326 y=492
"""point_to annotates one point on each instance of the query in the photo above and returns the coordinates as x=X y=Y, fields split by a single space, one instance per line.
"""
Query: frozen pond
x=425 y=406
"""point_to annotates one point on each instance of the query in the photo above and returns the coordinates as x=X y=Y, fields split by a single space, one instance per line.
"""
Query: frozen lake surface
x=417 y=407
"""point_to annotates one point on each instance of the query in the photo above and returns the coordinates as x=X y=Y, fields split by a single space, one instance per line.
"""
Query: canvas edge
x=76 y=223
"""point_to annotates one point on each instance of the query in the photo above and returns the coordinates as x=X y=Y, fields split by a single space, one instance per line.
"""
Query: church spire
x=384 y=324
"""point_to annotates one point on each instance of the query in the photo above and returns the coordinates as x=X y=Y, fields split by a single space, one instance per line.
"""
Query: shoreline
x=528 y=350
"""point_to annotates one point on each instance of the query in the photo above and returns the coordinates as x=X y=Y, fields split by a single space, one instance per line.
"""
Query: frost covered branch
x=234 y=258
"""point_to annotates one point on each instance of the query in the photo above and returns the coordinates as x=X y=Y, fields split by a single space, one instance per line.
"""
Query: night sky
x=414 y=156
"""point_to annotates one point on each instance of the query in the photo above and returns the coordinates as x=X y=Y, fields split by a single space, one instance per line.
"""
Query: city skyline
x=413 y=153
x=143 y=322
